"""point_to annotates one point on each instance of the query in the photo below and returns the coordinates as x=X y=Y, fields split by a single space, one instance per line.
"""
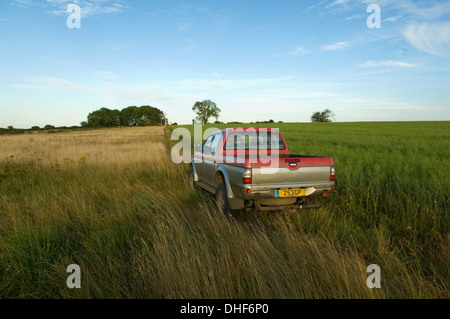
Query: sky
x=257 y=60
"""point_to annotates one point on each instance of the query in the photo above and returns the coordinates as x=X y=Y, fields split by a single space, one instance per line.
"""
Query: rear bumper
x=266 y=191
x=284 y=207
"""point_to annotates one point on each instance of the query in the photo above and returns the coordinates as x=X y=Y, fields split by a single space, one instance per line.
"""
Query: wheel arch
x=234 y=201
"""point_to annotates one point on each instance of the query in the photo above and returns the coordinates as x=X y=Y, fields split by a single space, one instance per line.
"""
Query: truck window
x=207 y=144
x=254 y=141
x=216 y=143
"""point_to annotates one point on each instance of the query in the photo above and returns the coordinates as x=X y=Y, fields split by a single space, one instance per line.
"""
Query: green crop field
x=112 y=202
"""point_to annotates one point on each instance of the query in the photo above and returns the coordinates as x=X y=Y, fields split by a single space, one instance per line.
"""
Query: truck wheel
x=222 y=201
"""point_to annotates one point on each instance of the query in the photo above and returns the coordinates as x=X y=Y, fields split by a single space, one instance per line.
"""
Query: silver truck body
x=212 y=166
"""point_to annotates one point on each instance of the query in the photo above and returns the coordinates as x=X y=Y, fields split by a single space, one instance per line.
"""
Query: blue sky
x=257 y=60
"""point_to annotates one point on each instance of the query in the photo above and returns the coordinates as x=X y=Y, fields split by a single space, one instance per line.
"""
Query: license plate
x=297 y=192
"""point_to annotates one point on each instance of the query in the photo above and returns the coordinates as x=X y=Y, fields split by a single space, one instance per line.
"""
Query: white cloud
x=353 y=17
x=107 y=75
x=89 y=8
x=255 y=29
x=335 y=46
x=413 y=9
x=393 y=18
x=113 y=46
x=299 y=51
x=148 y=91
x=315 y=5
x=184 y=26
x=291 y=94
x=207 y=84
x=432 y=38
x=430 y=10
x=335 y=3
x=48 y=83
x=23 y=3
x=400 y=64
x=138 y=93
x=217 y=83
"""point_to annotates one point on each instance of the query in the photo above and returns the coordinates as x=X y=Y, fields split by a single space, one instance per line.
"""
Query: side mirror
x=197 y=147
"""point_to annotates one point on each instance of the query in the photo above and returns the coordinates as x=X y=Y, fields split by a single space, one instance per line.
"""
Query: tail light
x=333 y=174
x=247 y=177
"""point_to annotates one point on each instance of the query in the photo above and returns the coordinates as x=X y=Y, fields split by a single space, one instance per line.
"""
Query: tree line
x=151 y=116
x=130 y=116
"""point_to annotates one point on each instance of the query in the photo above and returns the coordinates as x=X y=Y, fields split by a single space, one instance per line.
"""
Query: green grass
x=390 y=175
x=139 y=232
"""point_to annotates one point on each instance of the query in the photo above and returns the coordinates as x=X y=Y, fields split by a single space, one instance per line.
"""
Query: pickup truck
x=251 y=168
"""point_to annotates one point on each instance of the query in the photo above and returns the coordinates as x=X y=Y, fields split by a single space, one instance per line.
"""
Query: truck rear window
x=254 y=141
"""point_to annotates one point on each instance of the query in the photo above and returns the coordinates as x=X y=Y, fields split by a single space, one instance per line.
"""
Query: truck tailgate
x=293 y=170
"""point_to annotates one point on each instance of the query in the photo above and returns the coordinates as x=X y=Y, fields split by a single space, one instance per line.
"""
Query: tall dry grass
x=126 y=215
x=106 y=147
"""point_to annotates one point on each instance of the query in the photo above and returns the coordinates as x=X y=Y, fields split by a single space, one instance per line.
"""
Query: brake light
x=333 y=174
x=246 y=180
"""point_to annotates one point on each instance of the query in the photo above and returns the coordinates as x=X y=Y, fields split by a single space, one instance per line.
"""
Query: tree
x=205 y=110
x=142 y=116
x=149 y=115
x=324 y=116
x=129 y=116
x=104 y=118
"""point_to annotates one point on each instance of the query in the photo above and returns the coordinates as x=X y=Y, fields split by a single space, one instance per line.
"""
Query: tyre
x=222 y=202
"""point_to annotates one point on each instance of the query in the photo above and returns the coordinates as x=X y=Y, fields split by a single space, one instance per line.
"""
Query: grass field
x=112 y=202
